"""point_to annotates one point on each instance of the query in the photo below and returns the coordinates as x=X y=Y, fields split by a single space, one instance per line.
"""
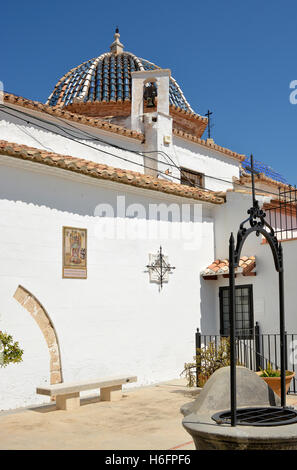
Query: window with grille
x=191 y=178
x=244 y=315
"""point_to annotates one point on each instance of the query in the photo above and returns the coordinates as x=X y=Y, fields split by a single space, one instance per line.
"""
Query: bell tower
x=150 y=115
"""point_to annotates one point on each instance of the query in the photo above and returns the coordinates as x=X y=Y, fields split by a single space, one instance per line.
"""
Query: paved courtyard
x=142 y=418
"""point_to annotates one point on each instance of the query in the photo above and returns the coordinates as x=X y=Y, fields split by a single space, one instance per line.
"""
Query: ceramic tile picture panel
x=74 y=253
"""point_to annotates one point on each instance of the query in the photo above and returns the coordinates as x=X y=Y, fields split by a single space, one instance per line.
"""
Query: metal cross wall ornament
x=159 y=268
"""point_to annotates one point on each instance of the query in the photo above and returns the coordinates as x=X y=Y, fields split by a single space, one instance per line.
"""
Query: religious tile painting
x=74 y=253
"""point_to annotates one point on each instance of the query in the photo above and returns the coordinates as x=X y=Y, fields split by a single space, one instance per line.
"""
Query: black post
x=257 y=346
x=197 y=346
x=282 y=328
x=232 y=331
x=286 y=350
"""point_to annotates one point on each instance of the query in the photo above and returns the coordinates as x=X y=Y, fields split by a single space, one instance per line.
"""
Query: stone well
x=252 y=391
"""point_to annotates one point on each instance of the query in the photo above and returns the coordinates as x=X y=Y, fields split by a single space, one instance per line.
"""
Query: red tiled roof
x=246 y=265
x=246 y=178
x=101 y=171
x=210 y=144
x=62 y=113
x=106 y=126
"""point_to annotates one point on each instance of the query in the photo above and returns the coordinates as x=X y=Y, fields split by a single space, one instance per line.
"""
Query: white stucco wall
x=265 y=283
x=213 y=164
x=60 y=136
x=179 y=153
x=116 y=321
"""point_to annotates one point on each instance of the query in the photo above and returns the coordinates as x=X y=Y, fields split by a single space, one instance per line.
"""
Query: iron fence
x=282 y=215
x=255 y=350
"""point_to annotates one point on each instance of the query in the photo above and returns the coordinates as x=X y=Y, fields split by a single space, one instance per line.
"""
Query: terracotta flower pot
x=275 y=382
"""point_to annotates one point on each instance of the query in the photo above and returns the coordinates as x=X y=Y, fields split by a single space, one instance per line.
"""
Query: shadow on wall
x=87 y=198
x=208 y=293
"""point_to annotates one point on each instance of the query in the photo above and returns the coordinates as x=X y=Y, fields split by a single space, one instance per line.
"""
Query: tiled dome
x=107 y=78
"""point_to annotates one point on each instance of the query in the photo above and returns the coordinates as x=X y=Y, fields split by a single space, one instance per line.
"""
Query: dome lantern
x=117 y=47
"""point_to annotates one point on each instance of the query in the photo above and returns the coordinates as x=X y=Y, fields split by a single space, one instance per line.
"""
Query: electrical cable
x=92 y=137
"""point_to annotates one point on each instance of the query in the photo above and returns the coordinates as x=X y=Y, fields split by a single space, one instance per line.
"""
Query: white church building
x=93 y=184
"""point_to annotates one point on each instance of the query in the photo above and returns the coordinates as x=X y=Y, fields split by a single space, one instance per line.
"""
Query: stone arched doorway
x=40 y=315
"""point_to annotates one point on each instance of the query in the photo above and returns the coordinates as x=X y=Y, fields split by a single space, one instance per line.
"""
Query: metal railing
x=255 y=350
x=283 y=216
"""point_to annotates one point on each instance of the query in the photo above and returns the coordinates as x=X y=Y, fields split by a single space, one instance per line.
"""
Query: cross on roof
x=208 y=114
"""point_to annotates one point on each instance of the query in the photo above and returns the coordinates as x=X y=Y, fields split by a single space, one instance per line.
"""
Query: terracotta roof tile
x=210 y=144
x=246 y=265
x=246 y=178
x=102 y=171
x=106 y=126
x=56 y=111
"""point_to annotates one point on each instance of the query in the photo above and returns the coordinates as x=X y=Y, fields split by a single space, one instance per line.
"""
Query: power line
x=95 y=148
x=158 y=152
x=102 y=141
x=92 y=137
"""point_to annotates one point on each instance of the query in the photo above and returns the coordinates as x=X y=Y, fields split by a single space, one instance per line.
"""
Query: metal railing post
x=286 y=350
x=257 y=346
x=197 y=346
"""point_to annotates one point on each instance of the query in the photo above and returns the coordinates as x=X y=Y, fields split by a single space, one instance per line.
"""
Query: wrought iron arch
x=258 y=225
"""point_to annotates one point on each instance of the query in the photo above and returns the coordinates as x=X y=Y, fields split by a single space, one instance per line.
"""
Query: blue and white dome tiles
x=107 y=78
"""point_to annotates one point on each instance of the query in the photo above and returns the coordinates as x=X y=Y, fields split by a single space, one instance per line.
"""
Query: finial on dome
x=117 y=47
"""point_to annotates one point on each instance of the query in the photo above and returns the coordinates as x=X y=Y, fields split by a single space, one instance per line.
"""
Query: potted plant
x=273 y=379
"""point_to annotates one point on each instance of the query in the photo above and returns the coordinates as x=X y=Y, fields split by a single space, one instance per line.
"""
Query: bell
x=149 y=94
x=150 y=102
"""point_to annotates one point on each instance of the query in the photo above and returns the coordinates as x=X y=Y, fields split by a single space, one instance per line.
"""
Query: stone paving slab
x=141 y=418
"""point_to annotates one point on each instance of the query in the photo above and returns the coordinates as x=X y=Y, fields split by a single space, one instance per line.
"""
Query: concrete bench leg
x=105 y=392
x=68 y=402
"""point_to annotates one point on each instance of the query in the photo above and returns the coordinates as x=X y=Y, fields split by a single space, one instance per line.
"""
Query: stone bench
x=67 y=394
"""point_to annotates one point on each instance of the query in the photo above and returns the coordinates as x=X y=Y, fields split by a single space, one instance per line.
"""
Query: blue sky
x=234 y=58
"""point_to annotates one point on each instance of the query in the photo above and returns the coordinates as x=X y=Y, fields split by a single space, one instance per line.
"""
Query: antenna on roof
x=209 y=125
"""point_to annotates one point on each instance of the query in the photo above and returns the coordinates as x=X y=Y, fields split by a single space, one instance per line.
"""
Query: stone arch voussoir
x=40 y=315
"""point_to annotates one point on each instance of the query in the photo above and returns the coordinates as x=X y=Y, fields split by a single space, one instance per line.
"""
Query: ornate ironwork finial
x=253 y=172
x=257 y=225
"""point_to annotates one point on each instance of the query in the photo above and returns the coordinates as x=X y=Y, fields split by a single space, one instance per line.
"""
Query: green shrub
x=270 y=372
x=210 y=358
x=10 y=352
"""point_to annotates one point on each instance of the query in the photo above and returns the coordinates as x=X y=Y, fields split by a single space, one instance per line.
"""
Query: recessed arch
x=40 y=315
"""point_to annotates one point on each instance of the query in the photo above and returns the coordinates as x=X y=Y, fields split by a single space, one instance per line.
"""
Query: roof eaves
x=79 y=118
x=102 y=171
x=209 y=143
x=246 y=178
